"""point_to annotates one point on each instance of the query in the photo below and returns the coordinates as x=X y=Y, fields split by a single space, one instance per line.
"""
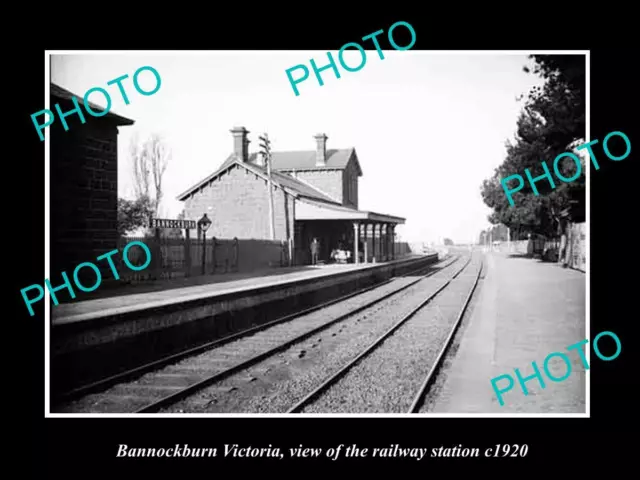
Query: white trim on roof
x=247 y=166
x=313 y=210
x=256 y=171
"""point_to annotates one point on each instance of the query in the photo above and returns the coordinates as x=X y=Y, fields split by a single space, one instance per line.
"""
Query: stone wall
x=329 y=182
x=237 y=203
x=350 y=186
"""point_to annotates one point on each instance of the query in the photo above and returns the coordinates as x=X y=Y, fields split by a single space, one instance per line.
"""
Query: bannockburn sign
x=167 y=223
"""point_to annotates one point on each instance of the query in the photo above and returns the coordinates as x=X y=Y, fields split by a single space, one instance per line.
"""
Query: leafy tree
x=133 y=214
x=448 y=241
x=550 y=123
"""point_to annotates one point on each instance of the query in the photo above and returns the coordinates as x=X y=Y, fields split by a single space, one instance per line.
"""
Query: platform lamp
x=203 y=225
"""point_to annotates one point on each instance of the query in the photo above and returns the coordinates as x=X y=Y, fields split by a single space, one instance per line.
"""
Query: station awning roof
x=311 y=210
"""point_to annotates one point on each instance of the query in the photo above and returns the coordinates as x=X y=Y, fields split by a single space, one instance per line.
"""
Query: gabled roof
x=306 y=160
x=63 y=94
x=284 y=181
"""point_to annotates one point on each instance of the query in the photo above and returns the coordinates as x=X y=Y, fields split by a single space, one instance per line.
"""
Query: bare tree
x=140 y=168
x=159 y=156
x=149 y=162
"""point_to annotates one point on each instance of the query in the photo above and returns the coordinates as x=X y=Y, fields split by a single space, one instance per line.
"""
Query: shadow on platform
x=537 y=258
x=518 y=255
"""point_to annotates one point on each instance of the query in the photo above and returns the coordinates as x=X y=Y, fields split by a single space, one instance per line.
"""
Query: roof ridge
x=312 y=150
x=305 y=160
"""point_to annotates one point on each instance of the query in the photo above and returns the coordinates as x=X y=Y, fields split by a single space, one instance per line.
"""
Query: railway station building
x=314 y=195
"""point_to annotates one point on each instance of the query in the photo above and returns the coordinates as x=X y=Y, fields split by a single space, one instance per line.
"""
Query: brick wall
x=327 y=181
x=237 y=204
x=357 y=181
x=350 y=186
x=84 y=196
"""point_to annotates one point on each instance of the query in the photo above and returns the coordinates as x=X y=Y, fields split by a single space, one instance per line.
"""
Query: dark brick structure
x=84 y=189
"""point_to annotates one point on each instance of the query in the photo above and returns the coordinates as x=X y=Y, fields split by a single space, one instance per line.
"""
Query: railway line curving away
x=369 y=351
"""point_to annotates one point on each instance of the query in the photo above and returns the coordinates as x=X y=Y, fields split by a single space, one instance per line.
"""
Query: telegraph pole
x=266 y=152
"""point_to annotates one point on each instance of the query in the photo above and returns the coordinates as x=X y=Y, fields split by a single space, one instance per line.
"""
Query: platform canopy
x=312 y=210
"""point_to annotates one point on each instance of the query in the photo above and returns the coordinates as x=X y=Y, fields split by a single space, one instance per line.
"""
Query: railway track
x=403 y=348
x=115 y=394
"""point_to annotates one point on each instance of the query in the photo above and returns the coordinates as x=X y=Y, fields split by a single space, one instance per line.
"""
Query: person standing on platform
x=315 y=249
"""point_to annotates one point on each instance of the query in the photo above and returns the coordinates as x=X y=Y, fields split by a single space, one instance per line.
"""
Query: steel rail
x=417 y=402
x=376 y=343
x=191 y=389
x=147 y=367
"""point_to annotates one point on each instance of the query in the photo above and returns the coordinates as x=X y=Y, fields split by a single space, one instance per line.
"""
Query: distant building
x=84 y=187
x=315 y=194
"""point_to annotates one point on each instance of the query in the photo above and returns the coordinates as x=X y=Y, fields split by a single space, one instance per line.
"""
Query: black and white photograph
x=237 y=239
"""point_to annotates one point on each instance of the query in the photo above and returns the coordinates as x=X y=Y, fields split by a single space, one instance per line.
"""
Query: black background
x=81 y=448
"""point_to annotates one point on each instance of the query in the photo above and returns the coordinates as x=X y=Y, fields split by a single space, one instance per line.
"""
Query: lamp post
x=203 y=225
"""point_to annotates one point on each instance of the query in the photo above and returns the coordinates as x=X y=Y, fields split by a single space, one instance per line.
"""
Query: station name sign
x=168 y=223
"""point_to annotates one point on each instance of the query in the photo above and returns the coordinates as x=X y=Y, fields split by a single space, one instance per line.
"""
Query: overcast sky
x=427 y=128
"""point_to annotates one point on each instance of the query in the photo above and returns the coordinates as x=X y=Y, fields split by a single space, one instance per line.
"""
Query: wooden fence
x=179 y=257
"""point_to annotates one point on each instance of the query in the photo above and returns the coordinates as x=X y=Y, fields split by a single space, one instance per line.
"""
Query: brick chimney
x=246 y=146
x=240 y=143
x=321 y=149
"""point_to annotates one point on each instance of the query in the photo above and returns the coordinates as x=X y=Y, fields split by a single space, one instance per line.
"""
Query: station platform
x=100 y=337
x=525 y=310
x=79 y=311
